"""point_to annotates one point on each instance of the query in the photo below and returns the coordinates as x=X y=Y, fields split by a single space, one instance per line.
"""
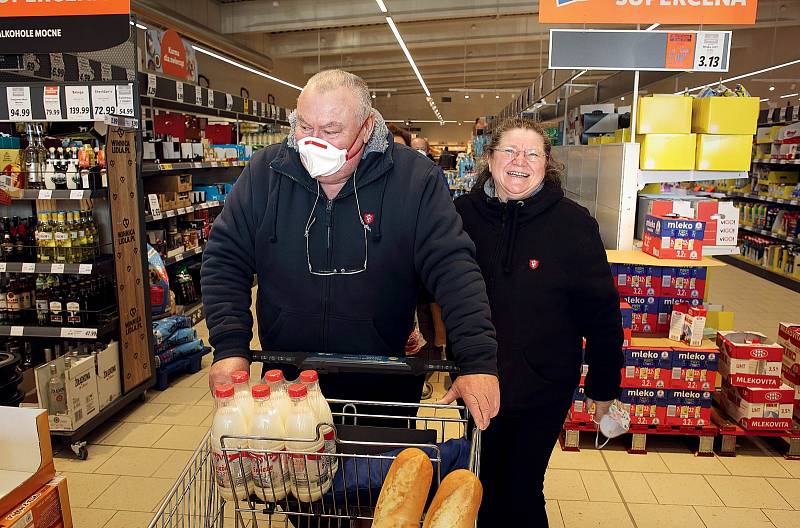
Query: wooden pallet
x=570 y=436
x=730 y=430
x=187 y=364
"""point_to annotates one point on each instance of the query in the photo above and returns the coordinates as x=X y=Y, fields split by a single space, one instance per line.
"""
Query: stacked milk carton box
x=673 y=237
x=753 y=393
x=789 y=339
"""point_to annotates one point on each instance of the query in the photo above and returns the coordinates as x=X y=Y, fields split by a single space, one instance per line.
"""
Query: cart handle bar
x=335 y=363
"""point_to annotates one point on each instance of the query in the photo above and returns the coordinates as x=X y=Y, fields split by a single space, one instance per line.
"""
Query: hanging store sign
x=739 y=12
x=579 y=49
x=167 y=52
x=41 y=27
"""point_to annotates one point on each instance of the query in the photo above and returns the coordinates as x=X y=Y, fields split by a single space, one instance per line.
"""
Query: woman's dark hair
x=396 y=131
x=553 y=169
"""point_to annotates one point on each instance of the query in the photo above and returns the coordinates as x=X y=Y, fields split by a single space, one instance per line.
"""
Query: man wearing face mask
x=342 y=229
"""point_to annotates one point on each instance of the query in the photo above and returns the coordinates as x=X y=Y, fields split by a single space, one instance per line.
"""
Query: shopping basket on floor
x=363 y=456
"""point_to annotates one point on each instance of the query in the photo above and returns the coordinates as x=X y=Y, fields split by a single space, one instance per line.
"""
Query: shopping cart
x=363 y=456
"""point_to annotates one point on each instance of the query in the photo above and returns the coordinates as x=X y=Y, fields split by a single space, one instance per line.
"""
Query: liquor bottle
x=92 y=235
x=61 y=168
x=56 y=307
x=41 y=152
x=3 y=300
x=61 y=235
x=26 y=292
x=41 y=251
x=72 y=227
x=30 y=158
x=50 y=169
x=83 y=240
x=73 y=303
x=73 y=174
x=14 y=301
x=101 y=163
x=31 y=243
x=42 y=300
x=7 y=246
x=84 y=163
x=57 y=393
x=20 y=236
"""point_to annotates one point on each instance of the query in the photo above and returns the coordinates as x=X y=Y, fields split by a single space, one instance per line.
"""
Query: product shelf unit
x=73 y=93
x=668 y=176
x=770 y=234
x=749 y=196
x=184 y=210
x=777 y=277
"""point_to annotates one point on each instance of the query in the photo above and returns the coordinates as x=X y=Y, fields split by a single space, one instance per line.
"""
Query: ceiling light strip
x=408 y=54
x=789 y=95
x=244 y=67
x=381 y=6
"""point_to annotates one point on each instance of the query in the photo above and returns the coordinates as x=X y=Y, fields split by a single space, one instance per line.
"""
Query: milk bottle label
x=237 y=476
x=270 y=470
x=310 y=471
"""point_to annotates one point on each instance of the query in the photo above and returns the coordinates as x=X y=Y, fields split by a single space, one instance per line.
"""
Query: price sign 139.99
x=78 y=107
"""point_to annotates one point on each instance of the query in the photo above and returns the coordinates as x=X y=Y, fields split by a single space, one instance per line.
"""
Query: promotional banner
x=648 y=11
x=44 y=27
x=167 y=52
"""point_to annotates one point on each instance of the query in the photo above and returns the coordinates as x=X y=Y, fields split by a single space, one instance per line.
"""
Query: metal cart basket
x=347 y=489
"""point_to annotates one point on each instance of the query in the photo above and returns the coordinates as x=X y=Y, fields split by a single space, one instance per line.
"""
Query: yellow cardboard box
x=784 y=177
x=667 y=152
x=725 y=115
x=728 y=152
x=664 y=114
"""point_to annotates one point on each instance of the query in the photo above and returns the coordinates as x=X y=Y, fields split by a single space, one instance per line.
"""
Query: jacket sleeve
x=444 y=257
x=597 y=302
x=227 y=274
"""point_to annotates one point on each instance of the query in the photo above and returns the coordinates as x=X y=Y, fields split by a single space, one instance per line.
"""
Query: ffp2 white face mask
x=614 y=423
x=321 y=158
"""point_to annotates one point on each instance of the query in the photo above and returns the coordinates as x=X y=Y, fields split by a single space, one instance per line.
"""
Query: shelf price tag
x=170 y=213
x=17 y=330
x=210 y=98
x=85 y=72
x=105 y=72
x=52 y=103
x=31 y=63
x=84 y=269
x=151 y=85
x=57 y=268
x=46 y=194
x=76 y=194
x=79 y=333
x=57 y=66
x=155 y=206
x=19 y=103
x=125 y=100
x=104 y=101
x=181 y=210
x=198 y=96
x=179 y=91
x=228 y=102
x=709 y=51
x=28 y=267
x=78 y=107
x=246 y=104
x=2 y=267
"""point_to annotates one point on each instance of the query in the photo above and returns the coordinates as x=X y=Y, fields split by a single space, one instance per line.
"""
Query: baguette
x=405 y=491
x=456 y=502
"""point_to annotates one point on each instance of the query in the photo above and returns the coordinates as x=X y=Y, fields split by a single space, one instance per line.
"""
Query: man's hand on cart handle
x=220 y=371
x=481 y=395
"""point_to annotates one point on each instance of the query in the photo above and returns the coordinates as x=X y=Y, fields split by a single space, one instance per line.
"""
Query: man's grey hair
x=423 y=140
x=332 y=79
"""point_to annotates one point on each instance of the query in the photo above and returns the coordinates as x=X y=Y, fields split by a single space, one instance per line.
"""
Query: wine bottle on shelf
x=73 y=304
x=30 y=157
x=50 y=169
x=61 y=235
x=56 y=307
x=14 y=301
x=20 y=239
x=73 y=175
x=7 y=245
x=42 y=301
x=3 y=300
x=61 y=167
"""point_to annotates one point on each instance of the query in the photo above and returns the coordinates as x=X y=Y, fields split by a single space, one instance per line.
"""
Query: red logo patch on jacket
x=533 y=264
x=369 y=218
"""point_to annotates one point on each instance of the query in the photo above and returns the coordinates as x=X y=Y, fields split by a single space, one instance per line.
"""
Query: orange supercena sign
x=31 y=8
x=648 y=11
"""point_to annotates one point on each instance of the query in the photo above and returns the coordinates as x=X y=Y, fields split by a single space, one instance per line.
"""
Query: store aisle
x=135 y=459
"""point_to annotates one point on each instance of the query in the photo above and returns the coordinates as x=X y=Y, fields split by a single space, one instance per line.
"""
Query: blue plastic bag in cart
x=362 y=478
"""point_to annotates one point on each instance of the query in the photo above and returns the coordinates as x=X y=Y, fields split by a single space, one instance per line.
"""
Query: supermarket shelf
x=713 y=251
x=777 y=162
x=769 y=234
x=634 y=256
x=749 y=196
x=189 y=165
x=183 y=256
x=194 y=311
x=49 y=194
x=59 y=332
x=66 y=269
x=666 y=176
x=183 y=210
x=782 y=279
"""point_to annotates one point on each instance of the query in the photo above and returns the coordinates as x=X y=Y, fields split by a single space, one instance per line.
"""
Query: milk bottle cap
x=261 y=391
x=298 y=391
x=223 y=391
x=274 y=375
x=309 y=376
x=240 y=376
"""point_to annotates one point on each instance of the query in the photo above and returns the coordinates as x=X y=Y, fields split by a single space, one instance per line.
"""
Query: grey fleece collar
x=377 y=141
x=491 y=191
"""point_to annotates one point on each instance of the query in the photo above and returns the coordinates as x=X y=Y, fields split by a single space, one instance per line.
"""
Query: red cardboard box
x=47 y=508
x=638 y=280
x=748 y=359
x=789 y=339
x=672 y=248
x=688 y=407
x=683 y=283
x=759 y=409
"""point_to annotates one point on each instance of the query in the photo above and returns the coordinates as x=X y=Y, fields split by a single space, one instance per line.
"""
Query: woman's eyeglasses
x=510 y=153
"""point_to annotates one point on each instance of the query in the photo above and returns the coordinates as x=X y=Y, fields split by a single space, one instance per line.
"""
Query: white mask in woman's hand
x=614 y=423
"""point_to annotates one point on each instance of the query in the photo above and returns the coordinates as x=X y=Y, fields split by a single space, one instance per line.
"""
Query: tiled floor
x=135 y=459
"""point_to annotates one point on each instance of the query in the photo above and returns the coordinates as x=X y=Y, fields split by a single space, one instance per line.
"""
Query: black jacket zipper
x=326 y=280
